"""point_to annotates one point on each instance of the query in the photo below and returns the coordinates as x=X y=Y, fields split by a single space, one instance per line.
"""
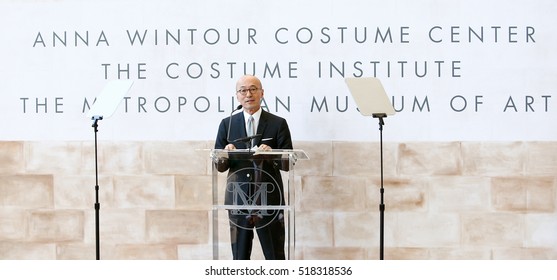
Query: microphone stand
x=97 y=204
x=381 y=205
x=230 y=122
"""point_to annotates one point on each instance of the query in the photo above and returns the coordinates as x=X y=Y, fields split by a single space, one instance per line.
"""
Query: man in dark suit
x=257 y=180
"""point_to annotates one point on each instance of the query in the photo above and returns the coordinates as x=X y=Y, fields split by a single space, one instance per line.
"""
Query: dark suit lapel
x=262 y=123
x=238 y=126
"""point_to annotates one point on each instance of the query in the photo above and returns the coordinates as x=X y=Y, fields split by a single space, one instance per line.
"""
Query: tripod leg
x=97 y=204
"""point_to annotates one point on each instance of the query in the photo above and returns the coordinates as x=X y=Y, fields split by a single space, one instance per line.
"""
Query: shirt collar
x=256 y=116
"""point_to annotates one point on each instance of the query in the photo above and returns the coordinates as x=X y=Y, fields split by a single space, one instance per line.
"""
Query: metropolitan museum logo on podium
x=251 y=197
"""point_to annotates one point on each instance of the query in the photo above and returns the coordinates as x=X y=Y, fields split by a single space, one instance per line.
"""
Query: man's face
x=249 y=93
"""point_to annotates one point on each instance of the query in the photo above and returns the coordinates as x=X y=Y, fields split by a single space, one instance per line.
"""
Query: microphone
x=248 y=138
x=230 y=122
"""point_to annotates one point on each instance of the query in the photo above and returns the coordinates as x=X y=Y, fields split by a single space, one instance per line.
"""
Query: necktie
x=251 y=131
x=251 y=127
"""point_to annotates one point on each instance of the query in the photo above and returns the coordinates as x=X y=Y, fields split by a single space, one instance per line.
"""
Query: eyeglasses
x=244 y=91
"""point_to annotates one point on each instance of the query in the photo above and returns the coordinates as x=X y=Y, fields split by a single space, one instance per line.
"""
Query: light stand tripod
x=372 y=100
x=382 y=191
x=104 y=106
x=96 y=119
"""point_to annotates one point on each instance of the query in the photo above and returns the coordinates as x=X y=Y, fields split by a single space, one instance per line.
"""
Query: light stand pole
x=96 y=119
x=382 y=191
x=372 y=100
x=105 y=105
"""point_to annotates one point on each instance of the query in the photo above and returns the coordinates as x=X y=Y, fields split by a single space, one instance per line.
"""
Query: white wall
x=498 y=88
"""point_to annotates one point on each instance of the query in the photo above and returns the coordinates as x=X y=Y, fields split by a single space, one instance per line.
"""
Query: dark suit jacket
x=270 y=126
x=241 y=168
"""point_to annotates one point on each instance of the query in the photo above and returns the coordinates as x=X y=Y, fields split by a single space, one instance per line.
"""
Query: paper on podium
x=109 y=99
x=370 y=96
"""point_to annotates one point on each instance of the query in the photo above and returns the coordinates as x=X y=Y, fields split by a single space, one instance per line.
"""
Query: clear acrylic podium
x=254 y=185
